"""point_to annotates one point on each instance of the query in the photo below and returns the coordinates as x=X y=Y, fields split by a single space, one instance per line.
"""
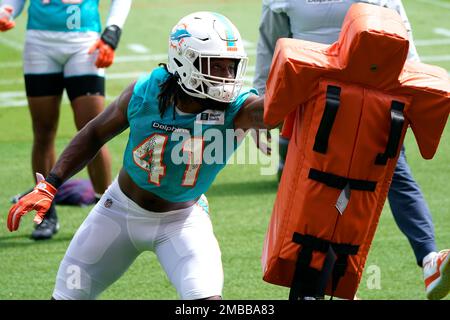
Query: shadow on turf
x=243 y=188
x=11 y=241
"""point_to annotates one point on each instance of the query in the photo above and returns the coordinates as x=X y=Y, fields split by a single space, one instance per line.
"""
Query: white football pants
x=117 y=230
x=60 y=52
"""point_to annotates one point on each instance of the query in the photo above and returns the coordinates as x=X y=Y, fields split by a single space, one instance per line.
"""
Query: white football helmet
x=206 y=35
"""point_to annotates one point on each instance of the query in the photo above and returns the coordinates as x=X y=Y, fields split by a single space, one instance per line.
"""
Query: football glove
x=106 y=45
x=40 y=199
x=6 y=18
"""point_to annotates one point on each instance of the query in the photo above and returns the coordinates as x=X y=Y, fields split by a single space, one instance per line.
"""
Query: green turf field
x=240 y=199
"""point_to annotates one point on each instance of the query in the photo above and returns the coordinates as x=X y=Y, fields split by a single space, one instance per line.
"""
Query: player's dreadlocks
x=171 y=92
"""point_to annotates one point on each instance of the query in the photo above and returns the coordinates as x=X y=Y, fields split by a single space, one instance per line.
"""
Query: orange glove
x=6 y=18
x=39 y=199
x=105 y=56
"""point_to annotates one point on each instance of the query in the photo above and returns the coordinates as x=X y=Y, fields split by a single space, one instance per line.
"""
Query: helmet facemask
x=218 y=88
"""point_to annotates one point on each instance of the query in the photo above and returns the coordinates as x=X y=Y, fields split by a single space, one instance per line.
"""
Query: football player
x=65 y=50
x=157 y=202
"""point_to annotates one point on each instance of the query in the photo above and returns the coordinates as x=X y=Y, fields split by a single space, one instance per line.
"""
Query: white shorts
x=117 y=230
x=49 y=52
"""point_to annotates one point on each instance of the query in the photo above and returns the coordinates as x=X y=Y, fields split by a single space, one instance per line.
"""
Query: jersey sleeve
x=137 y=99
x=146 y=92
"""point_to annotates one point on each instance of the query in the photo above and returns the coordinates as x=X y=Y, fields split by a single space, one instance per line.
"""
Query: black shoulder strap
x=397 y=121
x=328 y=117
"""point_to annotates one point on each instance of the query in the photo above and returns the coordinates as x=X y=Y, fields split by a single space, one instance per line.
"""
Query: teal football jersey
x=177 y=156
x=64 y=15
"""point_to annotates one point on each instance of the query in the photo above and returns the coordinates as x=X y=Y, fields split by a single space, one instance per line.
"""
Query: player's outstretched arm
x=251 y=115
x=80 y=151
x=88 y=141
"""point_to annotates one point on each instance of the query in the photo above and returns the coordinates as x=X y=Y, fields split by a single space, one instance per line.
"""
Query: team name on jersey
x=168 y=128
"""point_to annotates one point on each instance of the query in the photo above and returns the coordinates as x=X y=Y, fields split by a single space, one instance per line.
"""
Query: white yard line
x=11 y=64
x=11 y=94
x=18 y=46
x=248 y=44
x=136 y=58
x=431 y=42
x=442 y=32
x=8 y=82
x=120 y=59
x=445 y=57
x=13 y=99
x=125 y=75
x=18 y=99
x=138 y=48
x=109 y=76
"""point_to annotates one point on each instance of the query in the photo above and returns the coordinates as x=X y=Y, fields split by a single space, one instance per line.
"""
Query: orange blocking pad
x=346 y=109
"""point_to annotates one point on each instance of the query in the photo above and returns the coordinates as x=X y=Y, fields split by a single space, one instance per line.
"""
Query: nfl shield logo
x=108 y=203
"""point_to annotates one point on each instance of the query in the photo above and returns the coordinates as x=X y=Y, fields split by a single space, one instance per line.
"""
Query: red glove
x=39 y=199
x=6 y=18
x=105 y=56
